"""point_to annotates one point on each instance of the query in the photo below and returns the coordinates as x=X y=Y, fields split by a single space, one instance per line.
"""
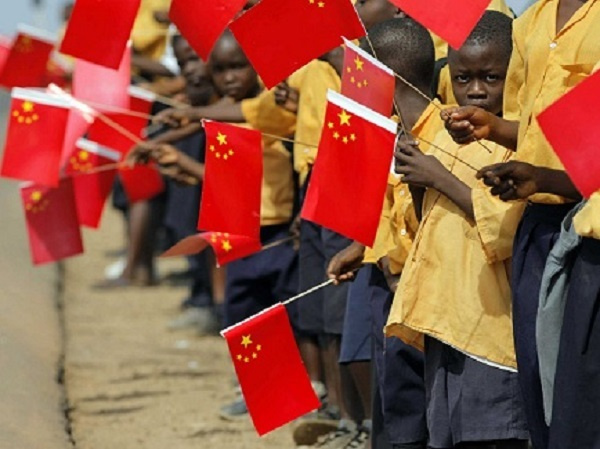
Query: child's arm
x=518 y=180
x=223 y=111
x=421 y=170
x=469 y=123
x=344 y=264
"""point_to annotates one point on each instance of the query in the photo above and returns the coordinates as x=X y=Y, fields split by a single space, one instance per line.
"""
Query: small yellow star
x=222 y=138
x=359 y=85
x=218 y=155
x=227 y=246
x=231 y=153
x=359 y=63
x=312 y=2
x=21 y=119
x=258 y=347
x=36 y=196
x=246 y=359
x=345 y=139
x=239 y=357
x=344 y=118
x=321 y=4
x=246 y=341
x=213 y=238
x=254 y=355
x=15 y=113
x=27 y=106
x=212 y=148
x=225 y=156
x=336 y=135
x=353 y=80
x=365 y=83
x=330 y=125
x=28 y=121
x=353 y=137
x=348 y=69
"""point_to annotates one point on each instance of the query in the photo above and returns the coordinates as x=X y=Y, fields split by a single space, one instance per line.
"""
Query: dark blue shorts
x=356 y=339
x=262 y=279
x=575 y=420
x=468 y=401
x=321 y=312
x=538 y=232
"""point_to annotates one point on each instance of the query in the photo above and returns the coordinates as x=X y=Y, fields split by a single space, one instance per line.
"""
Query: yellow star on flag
x=246 y=341
x=36 y=196
x=227 y=246
x=222 y=138
x=344 y=118
x=27 y=106
x=359 y=63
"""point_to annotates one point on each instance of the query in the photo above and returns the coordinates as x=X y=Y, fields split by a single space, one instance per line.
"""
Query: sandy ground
x=130 y=382
x=31 y=412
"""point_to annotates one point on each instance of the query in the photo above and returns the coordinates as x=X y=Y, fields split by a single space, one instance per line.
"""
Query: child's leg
x=577 y=381
x=538 y=231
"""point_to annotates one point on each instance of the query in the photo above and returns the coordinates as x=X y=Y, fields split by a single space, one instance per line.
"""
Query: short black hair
x=405 y=47
x=494 y=28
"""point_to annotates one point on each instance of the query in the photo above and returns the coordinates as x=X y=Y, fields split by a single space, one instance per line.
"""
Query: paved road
x=31 y=414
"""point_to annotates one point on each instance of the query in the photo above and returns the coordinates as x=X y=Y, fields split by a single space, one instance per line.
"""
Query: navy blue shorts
x=356 y=338
x=469 y=401
x=399 y=373
x=262 y=279
x=538 y=232
x=321 y=312
x=575 y=420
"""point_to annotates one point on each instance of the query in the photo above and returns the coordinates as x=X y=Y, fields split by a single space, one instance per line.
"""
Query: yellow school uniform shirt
x=277 y=198
x=312 y=81
x=148 y=36
x=587 y=220
x=545 y=64
x=455 y=284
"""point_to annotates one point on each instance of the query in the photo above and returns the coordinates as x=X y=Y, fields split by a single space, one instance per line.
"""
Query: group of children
x=439 y=340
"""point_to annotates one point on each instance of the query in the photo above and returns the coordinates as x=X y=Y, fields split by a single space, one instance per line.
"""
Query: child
x=454 y=287
x=555 y=48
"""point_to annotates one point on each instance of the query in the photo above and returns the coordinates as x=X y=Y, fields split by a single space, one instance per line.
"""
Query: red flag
x=231 y=194
x=98 y=30
x=52 y=224
x=227 y=247
x=201 y=23
x=571 y=126
x=141 y=182
x=77 y=126
x=27 y=60
x=367 y=81
x=101 y=86
x=280 y=36
x=35 y=137
x=356 y=143
x=5 y=45
x=270 y=371
x=452 y=20
x=91 y=190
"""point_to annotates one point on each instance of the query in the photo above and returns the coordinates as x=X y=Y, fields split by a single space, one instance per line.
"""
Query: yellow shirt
x=455 y=284
x=441 y=46
x=277 y=200
x=312 y=81
x=587 y=220
x=545 y=64
x=148 y=36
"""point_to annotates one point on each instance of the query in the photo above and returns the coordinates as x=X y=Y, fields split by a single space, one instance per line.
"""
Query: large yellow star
x=27 y=106
x=344 y=118
x=227 y=246
x=222 y=138
x=36 y=196
x=246 y=341
x=359 y=63
x=84 y=155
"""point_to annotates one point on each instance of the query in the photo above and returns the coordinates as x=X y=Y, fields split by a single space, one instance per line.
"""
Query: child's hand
x=287 y=97
x=175 y=117
x=415 y=167
x=511 y=180
x=139 y=154
x=343 y=265
x=468 y=123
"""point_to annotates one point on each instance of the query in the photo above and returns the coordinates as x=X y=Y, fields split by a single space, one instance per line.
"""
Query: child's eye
x=461 y=78
x=492 y=78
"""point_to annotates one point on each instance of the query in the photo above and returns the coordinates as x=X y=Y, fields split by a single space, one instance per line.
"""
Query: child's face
x=232 y=74
x=372 y=12
x=198 y=85
x=478 y=74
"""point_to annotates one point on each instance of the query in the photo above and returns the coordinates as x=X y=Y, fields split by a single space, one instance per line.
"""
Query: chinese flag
x=102 y=87
x=571 y=126
x=272 y=377
x=280 y=36
x=27 y=61
x=226 y=247
x=34 y=141
x=356 y=143
x=92 y=188
x=52 y=224
x=98 y=30
x=141 y=182
x=77 y=126
x=367 y=81
x=231 y=194
x=202 y=22
x=452 y=20
x=5 y=45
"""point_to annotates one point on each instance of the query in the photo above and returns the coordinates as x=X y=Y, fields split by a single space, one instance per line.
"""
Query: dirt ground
x=130 y=382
